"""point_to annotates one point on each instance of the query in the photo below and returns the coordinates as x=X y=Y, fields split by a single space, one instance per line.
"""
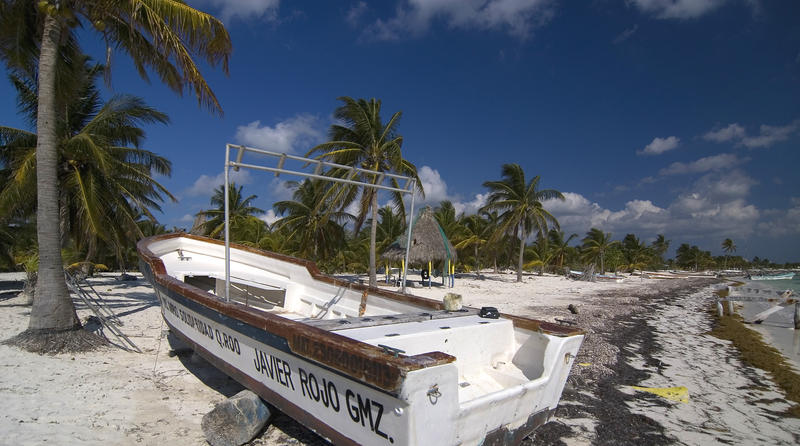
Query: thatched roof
x=428 y=242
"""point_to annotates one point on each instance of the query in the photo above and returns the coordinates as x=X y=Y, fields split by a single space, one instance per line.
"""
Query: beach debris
x=452 y=302
x=572 y=309
x=679 y=394
x=235 y=421
x=584 y=364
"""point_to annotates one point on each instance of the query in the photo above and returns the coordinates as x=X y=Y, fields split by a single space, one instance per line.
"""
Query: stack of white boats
x=359 y=365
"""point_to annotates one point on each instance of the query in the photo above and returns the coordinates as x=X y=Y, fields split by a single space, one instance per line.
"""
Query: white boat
x=777 y=276
x=609 y=278
x=359 y=365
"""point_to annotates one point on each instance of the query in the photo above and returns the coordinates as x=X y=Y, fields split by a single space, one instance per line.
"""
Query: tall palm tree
x=363 y=140
x=728 y=246
x=163 y=35
x=596 y=244
x=240 y=208
x=476 y=232
x=660 y=246
x=559 y=245
x=520 y=205
x=390 y=227
x=314 y=231
x=445 y=215
x=635 y=252
x=104 y=185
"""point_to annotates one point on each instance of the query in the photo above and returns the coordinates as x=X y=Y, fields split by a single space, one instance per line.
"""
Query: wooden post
x=430 y=274
x=730 y=307
x=797 y=316
x=719 y=308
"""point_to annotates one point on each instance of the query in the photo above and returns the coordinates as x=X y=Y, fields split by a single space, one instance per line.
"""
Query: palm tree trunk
x=521 y=252
x=602 y=264
x=52 y=308
x=373 y=235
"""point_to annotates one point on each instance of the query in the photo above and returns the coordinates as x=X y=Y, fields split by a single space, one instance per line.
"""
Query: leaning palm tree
x=163 y=35
x=104 y=185
x=520 y=205
x=240 y=208
x=596 y=244
x=363 y=140
x=728 y=246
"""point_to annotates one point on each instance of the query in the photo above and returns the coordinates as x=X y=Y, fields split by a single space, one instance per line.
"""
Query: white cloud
x=269 y=217
x=433 y=184
x=187 y=218
x=709 y=163
x=355 y=13
x=625 y=35
x=660 y=145
x=768 y=135
x=677 y=9
x=731 y=132
x=782 y=222
x=204 y=185
x=414 y=17
x=294 y=135
x=244 y=9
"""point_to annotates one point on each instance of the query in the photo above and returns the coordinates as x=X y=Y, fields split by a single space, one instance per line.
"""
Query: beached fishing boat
x=777 y=276
x=609 y=278
x=359 y=365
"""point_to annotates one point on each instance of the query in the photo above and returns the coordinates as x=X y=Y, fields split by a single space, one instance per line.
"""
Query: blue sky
x=679 y=117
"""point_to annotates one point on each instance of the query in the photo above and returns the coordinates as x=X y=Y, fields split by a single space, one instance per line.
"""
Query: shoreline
x=117 y=397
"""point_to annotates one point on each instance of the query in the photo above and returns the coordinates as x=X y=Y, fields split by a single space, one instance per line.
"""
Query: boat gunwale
x=371 y=365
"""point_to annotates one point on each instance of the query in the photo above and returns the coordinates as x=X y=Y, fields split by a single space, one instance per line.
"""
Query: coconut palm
x=660 y=246
x=520 y=206
x=240 y=209
x=363 y=140
x=559 y=245
x=104 y=185
x=728 y=246
x=635 y=253
x=162 y=35
x=595 y=246
x=390 y=227
x=476 y=232
x=445 y=215
x=314 y=231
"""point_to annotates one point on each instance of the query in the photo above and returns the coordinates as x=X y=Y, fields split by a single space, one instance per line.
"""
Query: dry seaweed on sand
x=57 y=341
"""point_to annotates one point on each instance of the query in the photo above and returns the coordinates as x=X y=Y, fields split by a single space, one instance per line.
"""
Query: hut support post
x=445 y=274
x=430 y=274
x=408 y=240
x=797 y=316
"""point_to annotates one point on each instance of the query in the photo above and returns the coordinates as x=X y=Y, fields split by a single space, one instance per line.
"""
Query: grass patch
x=756 y=352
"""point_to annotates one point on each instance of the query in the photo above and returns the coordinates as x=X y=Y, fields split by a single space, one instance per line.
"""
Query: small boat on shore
x=777 y=276
x=356 y=364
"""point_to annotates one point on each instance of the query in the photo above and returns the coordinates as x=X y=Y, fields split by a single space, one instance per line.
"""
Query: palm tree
x=163 y=35
x=390 y=227
x=104 y=186
x=559 y=245
x=660 y=246
x=728 y=246
x=521 y=206
x=363 y=140
x=596 y=244
x=445 y=215
x=635 y=252
x=315 y=232
x=240 y=208
x=476 y=232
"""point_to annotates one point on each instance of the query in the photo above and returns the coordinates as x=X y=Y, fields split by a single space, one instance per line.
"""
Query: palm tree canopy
x=240 y=210
x=520 y=203
x=104 y=184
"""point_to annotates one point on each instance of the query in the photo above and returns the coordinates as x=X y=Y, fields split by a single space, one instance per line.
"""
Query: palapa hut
x=428 y=244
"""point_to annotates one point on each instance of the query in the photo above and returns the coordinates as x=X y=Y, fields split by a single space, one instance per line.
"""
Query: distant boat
x=356 y=364
x=779 y=276
x=609 y=278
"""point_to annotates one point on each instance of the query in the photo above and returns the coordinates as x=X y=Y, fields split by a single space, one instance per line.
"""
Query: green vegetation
x=756 y=352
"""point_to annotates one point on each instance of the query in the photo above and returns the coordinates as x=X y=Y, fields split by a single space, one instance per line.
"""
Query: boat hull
x=351 y=393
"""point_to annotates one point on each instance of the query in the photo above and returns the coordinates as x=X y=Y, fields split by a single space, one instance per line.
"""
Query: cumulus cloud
x=782 y=222
x=414 y=17
x=269 y=217
x=244 y=9
x=204 y=185
x=660 y=145
x=436 y=192
x=716 y=203
x=294 y=135
x=709 y=163
x=768 y=135
x=677 y=9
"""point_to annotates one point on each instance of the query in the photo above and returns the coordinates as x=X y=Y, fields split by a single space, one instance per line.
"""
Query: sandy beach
x=643 y=332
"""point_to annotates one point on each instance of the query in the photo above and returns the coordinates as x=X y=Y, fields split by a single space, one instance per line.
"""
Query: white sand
x=124 y=398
